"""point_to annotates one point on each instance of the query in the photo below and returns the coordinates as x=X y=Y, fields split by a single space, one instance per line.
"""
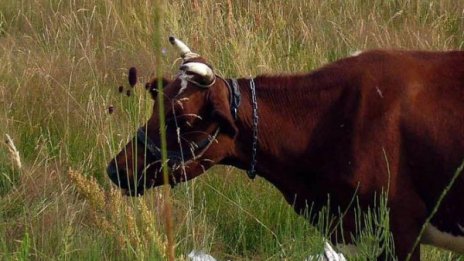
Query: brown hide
x=382 y=119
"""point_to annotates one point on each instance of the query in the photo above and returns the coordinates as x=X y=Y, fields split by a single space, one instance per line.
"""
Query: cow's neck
x=293 y=112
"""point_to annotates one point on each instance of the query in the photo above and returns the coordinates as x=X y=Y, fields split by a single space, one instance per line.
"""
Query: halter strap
x=234 y=98
x=234 y=95
x=174 y=155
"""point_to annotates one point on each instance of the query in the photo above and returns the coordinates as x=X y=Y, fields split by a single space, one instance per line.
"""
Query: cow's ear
x=152 y=86
x=221 y=111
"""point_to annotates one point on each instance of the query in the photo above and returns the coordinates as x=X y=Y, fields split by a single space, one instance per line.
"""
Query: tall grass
x=61 y=63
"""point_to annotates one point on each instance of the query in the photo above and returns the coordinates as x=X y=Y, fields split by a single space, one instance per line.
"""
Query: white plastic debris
x=200 y=256
x=329 y=255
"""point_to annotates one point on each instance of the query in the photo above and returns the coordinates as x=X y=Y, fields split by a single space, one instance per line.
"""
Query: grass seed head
x=89 y=188
x=14 y=153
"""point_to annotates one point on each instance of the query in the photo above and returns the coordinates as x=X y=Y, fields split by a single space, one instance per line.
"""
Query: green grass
x=61 y=62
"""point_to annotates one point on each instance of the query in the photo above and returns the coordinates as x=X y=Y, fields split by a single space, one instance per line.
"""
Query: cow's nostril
x=111 y=170
x=115 y=175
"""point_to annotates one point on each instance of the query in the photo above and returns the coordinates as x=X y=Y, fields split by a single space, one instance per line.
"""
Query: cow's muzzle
x=119 y=177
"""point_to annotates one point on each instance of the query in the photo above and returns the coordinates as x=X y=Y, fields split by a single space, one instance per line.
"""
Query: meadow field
x=61 y=62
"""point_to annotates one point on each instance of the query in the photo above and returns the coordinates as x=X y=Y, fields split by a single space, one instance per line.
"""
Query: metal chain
x=252 y=172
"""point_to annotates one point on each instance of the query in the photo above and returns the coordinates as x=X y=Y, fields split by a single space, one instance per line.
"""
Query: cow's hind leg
x=407 y=216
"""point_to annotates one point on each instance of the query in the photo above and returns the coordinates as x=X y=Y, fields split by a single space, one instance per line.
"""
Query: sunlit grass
x=61 y=64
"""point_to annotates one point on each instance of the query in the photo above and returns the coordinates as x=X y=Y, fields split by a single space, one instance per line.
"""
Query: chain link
x=252 y=172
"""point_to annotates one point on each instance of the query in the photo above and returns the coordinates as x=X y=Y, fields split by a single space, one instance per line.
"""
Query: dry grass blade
x=14 y=153
x=60 y=63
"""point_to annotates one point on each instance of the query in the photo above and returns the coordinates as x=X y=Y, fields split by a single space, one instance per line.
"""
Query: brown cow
x=381 y=119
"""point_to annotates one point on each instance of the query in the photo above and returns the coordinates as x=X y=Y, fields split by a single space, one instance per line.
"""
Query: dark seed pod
x=132 y=76
x=120 y=89
x=110 y=109
x=128 y=93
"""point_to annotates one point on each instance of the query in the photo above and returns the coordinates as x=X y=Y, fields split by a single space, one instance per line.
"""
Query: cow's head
x=200 y=129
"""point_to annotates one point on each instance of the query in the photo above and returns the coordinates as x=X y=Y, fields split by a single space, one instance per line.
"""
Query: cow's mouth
x=133 y=193
x=154 y=179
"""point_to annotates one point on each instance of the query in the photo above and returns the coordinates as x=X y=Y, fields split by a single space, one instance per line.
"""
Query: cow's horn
x=185 y=51
x=199 y=68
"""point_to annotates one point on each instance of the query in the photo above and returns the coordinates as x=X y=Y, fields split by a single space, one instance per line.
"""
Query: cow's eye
x=179 y=122
x=183 y=124
x=186 y=125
